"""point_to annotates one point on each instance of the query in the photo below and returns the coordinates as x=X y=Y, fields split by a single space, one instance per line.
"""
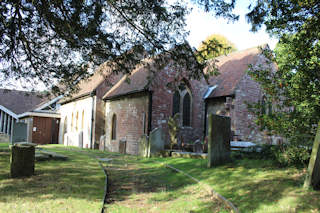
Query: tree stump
x=22 y=160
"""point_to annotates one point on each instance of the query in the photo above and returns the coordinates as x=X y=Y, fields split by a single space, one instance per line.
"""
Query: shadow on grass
x=255 y=185
x=80 y=177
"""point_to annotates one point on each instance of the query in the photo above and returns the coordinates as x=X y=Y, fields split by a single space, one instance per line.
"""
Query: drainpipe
x=150 y=113
x=92 y=94
x=205 y=118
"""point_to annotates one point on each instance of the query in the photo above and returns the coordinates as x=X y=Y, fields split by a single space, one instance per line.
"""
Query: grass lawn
x=145 y=185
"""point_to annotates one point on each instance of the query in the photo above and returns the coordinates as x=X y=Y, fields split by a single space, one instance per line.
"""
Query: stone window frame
x=182 y=93
x=114 y=127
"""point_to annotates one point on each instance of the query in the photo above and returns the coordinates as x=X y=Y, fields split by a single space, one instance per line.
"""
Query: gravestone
x=219 y=132
x=156 y=142
x=80 y=139
x=122 y=146
x=197 y=147
x=313 y=174
x=19 y=132
x=102 y=143
x=22 y=160
x=144 y=146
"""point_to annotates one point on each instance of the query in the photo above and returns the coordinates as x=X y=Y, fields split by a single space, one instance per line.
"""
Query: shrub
x=290 y=155
x=282 y=155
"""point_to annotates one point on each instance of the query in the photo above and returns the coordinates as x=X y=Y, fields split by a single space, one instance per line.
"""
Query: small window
x=114 y=127
x=77 y=121
x=186 y=113
x=72 y=118
x=176 y=103
x=82 y=121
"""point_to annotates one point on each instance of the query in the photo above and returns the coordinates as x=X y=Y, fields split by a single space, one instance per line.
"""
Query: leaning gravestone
x=219 y=132
x=19 y=132
x=122 y=146
x=197 y=147
x=22 y=160
x=313 y=174
x=144 y=146
x=156 y=142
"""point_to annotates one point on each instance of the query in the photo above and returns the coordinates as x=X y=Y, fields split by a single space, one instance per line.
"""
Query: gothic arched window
x=182 y=103
x=186 y=111
x=114 y=127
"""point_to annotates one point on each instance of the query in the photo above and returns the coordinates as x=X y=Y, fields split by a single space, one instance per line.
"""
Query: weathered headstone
x=80 y=139
x=22 y=160
x=144 y=146
x=19 y=132
x=219 y=132
x=156 y=141
x=102 y=142
x=122 y=146
x=197 y=147
x=313 y=174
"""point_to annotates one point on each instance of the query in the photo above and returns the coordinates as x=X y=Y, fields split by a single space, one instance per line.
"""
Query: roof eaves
x=125 y=94
x=88 y=94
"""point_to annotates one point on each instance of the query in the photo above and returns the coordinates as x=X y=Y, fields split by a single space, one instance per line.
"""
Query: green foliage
x=64 y=40
x=294 y=89
x=281 y=155
x=214 y=46
x=291 y=155
x=174 y=128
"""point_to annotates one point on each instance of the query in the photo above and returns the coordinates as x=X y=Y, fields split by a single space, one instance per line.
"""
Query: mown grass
x=145 y=185
x=75 y=185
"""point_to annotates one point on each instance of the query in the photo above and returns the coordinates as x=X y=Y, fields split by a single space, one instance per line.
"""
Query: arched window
x=72 y=118
x=186 y=110
x=82 y=120
x=114 y=127
x=266 y=108
x=182 y=103
x=176 y=103
x=65 y=129
x=77 y=121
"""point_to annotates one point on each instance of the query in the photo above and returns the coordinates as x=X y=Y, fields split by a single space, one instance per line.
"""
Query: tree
x=214 y=46
x=61 y=41
x=294 y=89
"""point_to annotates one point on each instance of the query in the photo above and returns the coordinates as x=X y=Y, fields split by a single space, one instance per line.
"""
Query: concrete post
x=8 y=125
x=11 y=129
x=5 y=123
x=1 y=120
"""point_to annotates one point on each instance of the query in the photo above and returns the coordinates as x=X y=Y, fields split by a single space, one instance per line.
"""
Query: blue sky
x=201 y=25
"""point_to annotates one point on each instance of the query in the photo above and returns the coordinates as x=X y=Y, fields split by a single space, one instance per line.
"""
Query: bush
x=282 y=155
x=290 y=155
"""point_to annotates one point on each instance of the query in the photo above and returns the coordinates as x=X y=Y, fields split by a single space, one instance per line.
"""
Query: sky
x=201 y=25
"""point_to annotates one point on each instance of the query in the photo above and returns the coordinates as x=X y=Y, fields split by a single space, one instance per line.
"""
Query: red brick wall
x=162 y=98
x=242 y=121
x=248 y=91
x=129 y=111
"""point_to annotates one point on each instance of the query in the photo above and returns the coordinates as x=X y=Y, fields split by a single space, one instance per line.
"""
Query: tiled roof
x=20 y=101
x=232 y=68
x=138 y=81
x=102 y=76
